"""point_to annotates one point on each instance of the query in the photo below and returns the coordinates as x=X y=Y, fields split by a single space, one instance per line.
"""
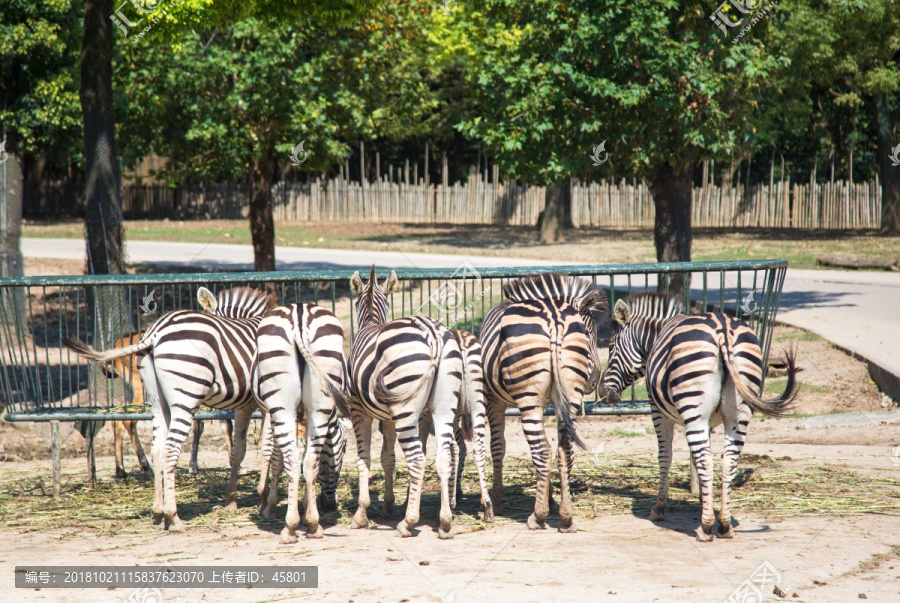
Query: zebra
x=299 y=365
x=188 y=358
x=398 y=369
x=540 y=347
x=474 y=422
x=701 y=371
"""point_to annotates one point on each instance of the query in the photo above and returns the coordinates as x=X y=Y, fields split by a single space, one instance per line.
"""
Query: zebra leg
x=333 y=457
x=229 y=436
x=478 y=455
x=362 y=429
x=698 y=441
x=736 y=414
x=265 y=447
x=415 y=461
x=273 y=474
x=195 y=447
x=454 y=488
x=665 y=430
x=496 y=416
x=446 y=468
x=119 y=447
x=179 y=426
x=533 y=427
x=241 y=427
x=565 y=458
x=160 y=413
x=389 y=466
x=316 y=433
x=131 y=428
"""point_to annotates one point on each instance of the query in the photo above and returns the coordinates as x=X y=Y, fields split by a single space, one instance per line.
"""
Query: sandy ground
x=613 y=557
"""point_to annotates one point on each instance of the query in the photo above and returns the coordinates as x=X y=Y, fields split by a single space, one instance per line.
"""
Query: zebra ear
x=391 y=282
x=356 y=284
x=622 y=312
x=207 y=300
x=594 y=304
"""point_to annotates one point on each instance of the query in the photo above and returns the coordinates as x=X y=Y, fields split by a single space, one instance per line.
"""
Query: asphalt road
x=857 y=311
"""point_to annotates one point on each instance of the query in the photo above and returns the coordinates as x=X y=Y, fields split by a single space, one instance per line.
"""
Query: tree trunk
x=262 y=225
x=556 y=215
x=671 y=189
x=103 y=191
x=12 y=299
x=889 y=174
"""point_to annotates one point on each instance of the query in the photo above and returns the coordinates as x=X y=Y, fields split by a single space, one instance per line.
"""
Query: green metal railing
x=41 y=380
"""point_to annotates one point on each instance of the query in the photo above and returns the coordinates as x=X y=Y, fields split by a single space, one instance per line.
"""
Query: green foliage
x=215 y=101
x=652 y=79
x=39 y=47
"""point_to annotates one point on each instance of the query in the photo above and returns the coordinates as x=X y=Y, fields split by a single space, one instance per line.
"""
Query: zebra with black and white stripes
x=474 y=422
x=188 y=358
x=701 y=371
x=398 y=369
x=300 y=370
x=539 y=348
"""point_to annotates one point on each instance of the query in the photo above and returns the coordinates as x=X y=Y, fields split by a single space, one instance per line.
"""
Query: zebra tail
x=778 y=406
x=83 y=349
x=465 y=406
x=563 y=407
x=337 y=393
x=383 y=393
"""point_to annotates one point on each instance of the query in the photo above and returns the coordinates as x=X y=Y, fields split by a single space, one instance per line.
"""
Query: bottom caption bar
x=167 y=576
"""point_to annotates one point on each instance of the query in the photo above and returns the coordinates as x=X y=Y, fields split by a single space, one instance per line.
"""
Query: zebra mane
x=244 y=302
x=548 y=285
x=651 y=304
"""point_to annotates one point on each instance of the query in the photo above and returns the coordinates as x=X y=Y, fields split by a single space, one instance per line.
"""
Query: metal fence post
x=54 y=453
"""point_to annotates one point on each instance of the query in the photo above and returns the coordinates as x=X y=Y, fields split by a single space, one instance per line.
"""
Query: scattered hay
x=611 y=484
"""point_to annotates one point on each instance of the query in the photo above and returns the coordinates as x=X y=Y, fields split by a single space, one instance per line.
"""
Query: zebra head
x=371 y=299
x=636 y=321
x=593 y=308
x=239 y=302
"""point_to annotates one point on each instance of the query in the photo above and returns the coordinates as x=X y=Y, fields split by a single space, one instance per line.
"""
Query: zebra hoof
x=318 y=532
x=387 y=511
x=703 y=536
x=326 y=503
x=488 y=513
x=658 y=514
x=267 y=513
x=175 y=524
x=288 y=536
x=121 y=473
x=535 y=524
x=445 y=534
x=726 y=530
x=232 y=506
x=145 y=468
x=403 y=529
x=158 y=518
x=554 y=507
x=359 y=521
x=567 y=526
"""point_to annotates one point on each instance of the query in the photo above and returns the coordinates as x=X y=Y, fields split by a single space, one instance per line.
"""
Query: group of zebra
x=537 y=347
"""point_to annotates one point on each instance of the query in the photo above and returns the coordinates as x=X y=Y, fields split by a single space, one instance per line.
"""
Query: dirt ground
x=821 y=506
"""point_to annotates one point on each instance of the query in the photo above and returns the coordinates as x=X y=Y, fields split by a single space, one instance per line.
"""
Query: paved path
x=858 y=311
